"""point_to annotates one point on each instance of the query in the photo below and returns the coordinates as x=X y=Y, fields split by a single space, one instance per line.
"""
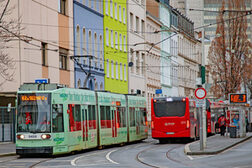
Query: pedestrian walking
x=222 y=123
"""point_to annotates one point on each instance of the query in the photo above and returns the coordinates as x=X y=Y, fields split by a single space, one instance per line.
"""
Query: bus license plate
x=169 y=133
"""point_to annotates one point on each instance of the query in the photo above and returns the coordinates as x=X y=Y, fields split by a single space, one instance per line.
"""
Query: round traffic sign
x=200 y=93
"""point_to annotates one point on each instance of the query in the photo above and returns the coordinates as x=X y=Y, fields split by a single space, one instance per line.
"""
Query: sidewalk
x=215 y=144
x=7 y=149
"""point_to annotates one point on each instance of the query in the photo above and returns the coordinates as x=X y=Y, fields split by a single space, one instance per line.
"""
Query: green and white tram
x=55 y=120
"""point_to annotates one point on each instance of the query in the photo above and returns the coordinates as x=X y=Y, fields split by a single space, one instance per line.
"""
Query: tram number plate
x=32 y=136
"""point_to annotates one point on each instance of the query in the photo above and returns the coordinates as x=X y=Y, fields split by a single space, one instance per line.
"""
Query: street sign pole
x=200 y=94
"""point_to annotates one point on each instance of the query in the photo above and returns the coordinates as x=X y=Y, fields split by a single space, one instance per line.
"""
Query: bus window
x=132 y=116
x=169 y=109
x=91 y=117
x=57 y=118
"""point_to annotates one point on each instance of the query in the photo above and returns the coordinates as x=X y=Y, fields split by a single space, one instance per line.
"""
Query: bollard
x=2 y=125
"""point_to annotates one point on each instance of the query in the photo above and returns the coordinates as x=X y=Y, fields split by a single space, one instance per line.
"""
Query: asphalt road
x=140 y=155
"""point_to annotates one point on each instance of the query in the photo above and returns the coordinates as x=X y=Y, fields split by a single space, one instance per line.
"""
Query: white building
x=136 y=46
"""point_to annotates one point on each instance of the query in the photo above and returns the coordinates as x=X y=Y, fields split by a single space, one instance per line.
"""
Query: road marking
x=75 y=159
x=199 y=157
x=190 y=157
x=107 y=157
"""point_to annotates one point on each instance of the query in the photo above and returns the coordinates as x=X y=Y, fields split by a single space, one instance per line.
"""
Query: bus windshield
x=169 y=109
x=33 y=113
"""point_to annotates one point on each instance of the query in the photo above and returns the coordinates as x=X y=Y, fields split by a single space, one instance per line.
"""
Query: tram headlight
x=45 y=136
x=20 y=136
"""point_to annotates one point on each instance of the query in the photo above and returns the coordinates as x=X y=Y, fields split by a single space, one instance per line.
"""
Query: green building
x=115 y=46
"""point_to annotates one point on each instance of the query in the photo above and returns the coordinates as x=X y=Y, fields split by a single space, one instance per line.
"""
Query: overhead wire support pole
x=203 y=108
x=87 y=72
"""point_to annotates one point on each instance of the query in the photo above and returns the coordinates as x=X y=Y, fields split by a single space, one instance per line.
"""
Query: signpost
x=200 y=94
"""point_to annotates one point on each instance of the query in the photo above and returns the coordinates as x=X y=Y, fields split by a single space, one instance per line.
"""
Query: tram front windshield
x=33 y=113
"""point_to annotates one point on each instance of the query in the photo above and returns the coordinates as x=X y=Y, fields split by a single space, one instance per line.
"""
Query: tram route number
x=237 y=98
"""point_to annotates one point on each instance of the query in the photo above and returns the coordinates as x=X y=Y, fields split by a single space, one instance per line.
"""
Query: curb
x=8 y=154
x=187 y=150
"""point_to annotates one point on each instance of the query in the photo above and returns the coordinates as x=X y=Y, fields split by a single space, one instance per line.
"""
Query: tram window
x=121 y=116
x=91 y=117
x=132 y=116
x=74 y=117
x=57 y=118
x=105 y=117
x=143 y=116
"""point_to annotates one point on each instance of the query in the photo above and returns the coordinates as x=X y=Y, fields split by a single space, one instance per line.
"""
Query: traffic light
x=203 y=74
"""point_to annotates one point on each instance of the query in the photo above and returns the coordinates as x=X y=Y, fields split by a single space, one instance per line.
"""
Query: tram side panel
x=112 y=116
x=137 y=118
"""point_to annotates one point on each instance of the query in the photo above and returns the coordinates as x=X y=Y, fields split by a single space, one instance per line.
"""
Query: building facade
x=136 y=47
x=39 y=55
x=153 y=73
x=165 y=65
x=88 y=42
x=115 y=46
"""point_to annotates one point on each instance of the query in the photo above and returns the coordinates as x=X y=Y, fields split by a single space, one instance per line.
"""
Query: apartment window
x=106 y=6
x=107 y=68
x=120 y=40
x=124 y=16
x=124 y=41
x=78 y=45
x=137 y=24
x=143 y=27
x=95 y=50
x=137 y=63
x=116 y=40
x=132 y=59
x=95 y=4
x=100 y=6
x=111 y=8
x=116 y=70
x=101 y=54
x=84 y=45
x=116 y=11
x=63 y=58
x=63 y=6
x=120 y=13
x=112 y=39
x=112 y=69
x=44 y=54
x=142 y=64
x=121 y=74
x=131 y=21
x=90 y=3
x=89 y=42
x=107 y=37
x=125 y=72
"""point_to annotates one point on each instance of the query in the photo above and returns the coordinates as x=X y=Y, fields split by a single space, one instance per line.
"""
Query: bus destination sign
x=237 y=98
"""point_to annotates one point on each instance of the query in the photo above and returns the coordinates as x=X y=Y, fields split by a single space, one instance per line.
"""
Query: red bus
x=174 y=117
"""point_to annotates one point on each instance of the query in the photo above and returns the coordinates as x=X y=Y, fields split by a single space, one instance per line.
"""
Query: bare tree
x=229 y=60
x=8 y=27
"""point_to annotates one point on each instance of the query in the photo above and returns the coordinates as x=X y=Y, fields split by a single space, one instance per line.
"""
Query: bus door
x=85 y=122
x=114 y=121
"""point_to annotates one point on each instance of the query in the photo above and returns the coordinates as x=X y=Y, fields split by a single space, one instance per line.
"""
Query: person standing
x=222 y=123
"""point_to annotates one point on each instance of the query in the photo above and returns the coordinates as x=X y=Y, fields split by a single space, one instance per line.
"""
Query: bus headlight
x=45 y=136
x=20 y=136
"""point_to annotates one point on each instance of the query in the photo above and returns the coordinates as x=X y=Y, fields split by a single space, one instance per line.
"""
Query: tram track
x=138 y=157
x=42 y=161
x=145 y=163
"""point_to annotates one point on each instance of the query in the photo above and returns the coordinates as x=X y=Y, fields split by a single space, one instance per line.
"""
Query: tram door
x=85 y=123
x=138 y=121
x=114 y=121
